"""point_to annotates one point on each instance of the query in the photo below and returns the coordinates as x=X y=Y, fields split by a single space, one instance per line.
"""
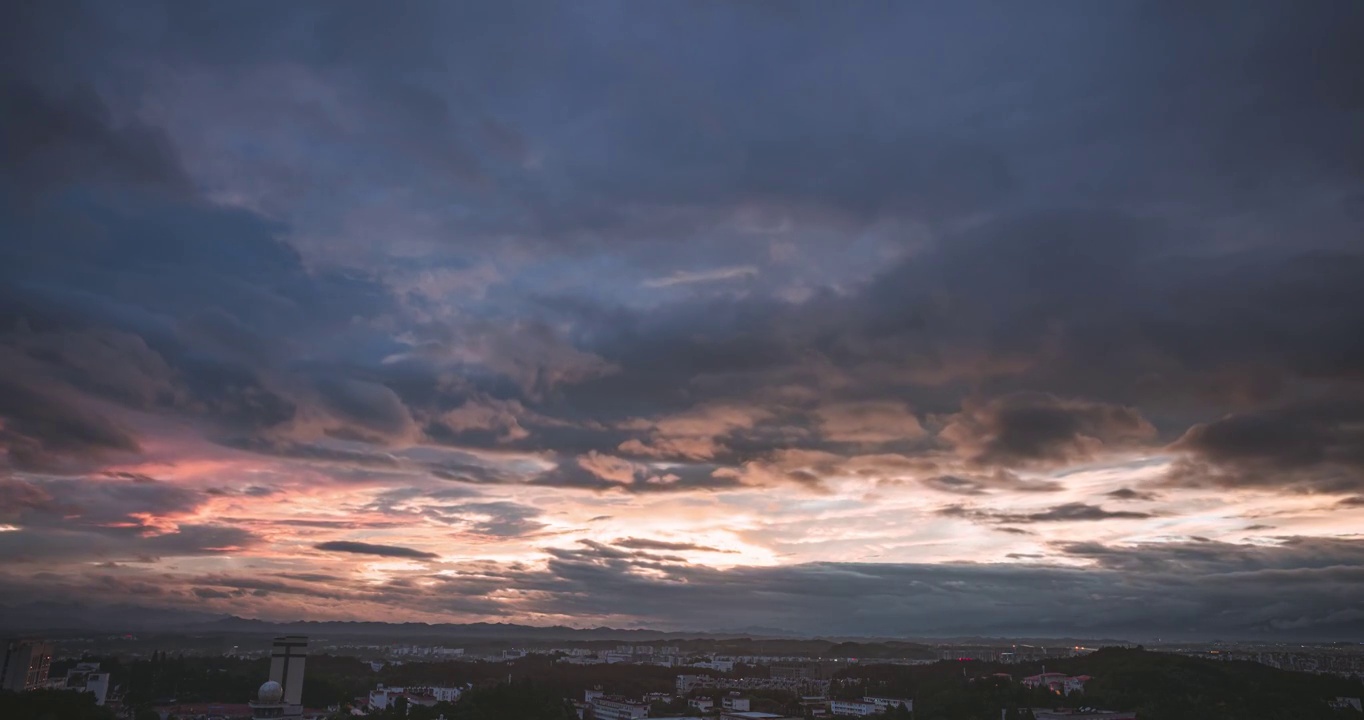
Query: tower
x=282 y=695
x=25 y=665
x=286 y=666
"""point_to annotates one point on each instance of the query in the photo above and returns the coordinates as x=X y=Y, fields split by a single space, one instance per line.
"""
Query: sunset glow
x=685 y=320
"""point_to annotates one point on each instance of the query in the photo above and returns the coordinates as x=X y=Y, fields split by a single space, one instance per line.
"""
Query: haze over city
x=849 y=319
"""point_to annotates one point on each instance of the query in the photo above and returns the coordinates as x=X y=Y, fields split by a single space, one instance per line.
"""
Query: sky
x=899 y=319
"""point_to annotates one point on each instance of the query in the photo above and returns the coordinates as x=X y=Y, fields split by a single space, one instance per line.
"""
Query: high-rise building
x=282 y=695
x=25 y=665
x=286 y=666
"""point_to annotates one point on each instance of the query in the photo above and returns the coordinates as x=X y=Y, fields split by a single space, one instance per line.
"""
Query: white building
x=713 y=664
x=282 y=695
x=86 y=677
x=613 y=707
x=287 y=658
x=855 y=708
x=382 y=697
x=889 y=703
x=735 y=702
x=686 y=682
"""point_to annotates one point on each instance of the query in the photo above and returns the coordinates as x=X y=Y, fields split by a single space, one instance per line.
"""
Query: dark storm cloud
x=1043 y=313
x=1225 y=595
x=50 y=140
x=49 y=545
x=1315 y=445
x=926 y=247
x=95 y=503
x=1301 y=587
x=43 y=431
x=1289 y=555
x=1023 y=429
x=1069 y=512
x=360 y=548
x=603 y=472
x=137 y=519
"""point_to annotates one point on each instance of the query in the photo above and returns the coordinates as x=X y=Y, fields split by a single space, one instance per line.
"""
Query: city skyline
x=854 y=319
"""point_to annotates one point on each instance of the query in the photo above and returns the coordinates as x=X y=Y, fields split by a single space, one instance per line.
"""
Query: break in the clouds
x=605 y=313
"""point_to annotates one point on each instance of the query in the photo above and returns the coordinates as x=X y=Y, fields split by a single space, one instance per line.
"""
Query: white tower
x=286 y=666
x=282 y=695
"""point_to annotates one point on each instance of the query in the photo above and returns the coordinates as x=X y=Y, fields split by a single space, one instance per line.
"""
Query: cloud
x=784 y=288
x=868 y=422
x=42 y=431
x=683 y=277
x=1000 y=480
x=1069 y=512
x=50 y=139
x=1314 y=445
x=98 y=504
x=1130 y=494
x=492 y=518
x=360 y=548
x=649 y=544
x=47 y=546
x=601 y=472
x=1032 y=428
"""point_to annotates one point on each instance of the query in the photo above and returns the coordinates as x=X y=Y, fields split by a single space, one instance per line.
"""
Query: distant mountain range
x=70 y=617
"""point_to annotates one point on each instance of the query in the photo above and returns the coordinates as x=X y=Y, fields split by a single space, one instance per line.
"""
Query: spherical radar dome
x=270 y=693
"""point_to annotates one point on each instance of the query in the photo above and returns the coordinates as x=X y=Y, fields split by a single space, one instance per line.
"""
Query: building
x=799 y=686
x=382 y=697
x=889 y=703
x=801 y=670
x=282 y=695
x=735 y=702
x=287 y=658
x=1059 y=683
x=25 y=665
x=685 y=683
x=813 y=670
x=753 y=716
x=1045 y=679
x=854 y=708
x=615 y=707
x=868 y=706
x=86 y=677
x=1075 y=684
